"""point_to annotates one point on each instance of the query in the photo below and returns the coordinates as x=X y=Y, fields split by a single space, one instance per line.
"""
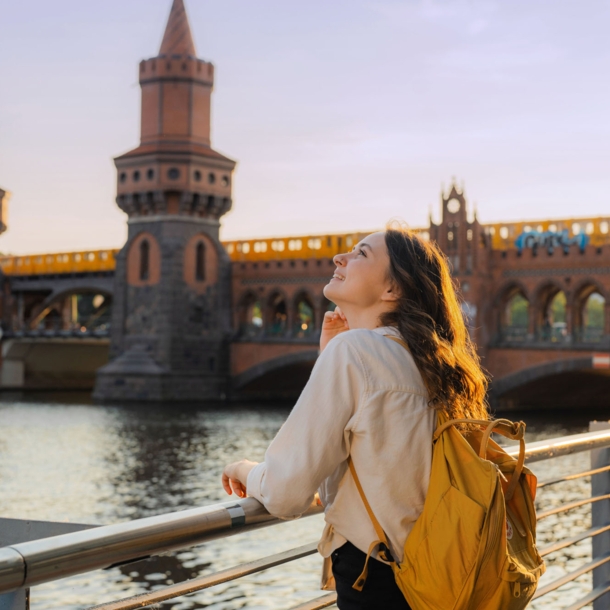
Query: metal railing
x=27 y=564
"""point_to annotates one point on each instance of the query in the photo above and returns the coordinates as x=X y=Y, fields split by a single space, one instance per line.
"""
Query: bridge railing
x=28 y=564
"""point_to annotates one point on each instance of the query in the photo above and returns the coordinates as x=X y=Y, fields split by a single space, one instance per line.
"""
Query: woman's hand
x=235 y=476
x=334 y=323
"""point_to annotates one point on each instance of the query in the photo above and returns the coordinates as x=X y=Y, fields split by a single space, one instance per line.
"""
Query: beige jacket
x=365 y=397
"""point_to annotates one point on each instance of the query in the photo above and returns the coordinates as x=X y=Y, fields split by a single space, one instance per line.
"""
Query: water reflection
x=63 y=459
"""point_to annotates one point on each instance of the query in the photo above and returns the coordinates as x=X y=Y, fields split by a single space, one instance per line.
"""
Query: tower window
x=173 y=173
x=150 y=174
x=225 y=181
x=136 y=176
x=122 y=177
x=211 y=178
x=200 y=262
x=144 y=260
x=197 y=175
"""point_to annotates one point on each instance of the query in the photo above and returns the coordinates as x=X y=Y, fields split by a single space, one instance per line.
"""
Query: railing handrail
x=39 y=561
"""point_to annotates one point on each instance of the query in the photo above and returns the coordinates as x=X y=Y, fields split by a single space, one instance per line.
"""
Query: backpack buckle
x=384 y=553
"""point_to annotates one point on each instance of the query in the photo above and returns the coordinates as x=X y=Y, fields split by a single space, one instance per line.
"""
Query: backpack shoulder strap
x=382 y=537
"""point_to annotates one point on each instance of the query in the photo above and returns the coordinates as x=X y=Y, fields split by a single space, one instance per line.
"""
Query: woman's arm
x=313 y=441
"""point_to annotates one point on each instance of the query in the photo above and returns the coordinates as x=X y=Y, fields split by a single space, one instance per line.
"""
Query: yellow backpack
x=473 y=547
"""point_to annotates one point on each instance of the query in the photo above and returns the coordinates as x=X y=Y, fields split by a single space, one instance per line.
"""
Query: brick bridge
x=538 y=308
x=176 y=314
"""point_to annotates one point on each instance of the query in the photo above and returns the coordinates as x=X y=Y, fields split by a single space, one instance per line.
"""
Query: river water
x=64 y=459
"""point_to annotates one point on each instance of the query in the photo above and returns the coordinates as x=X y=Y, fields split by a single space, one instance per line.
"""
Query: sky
x=341 y=114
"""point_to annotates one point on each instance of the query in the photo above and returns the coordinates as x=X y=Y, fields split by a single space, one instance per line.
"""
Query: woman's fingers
x=238 y=488
x=226 y=483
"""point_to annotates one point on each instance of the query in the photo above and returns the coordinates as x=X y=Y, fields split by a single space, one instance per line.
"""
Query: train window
x=49 y=260
x=527 y=229
x=104 y=256
x=19 y=262
x=77 y=258
x=553 y=228
x=603 y=226
x=314 y=244
x=504 y=232
x=200 y=262
x=230 y=248
x=27 y=261
x=575 y=228
x=39 y=260
x=90 y=256
x=260 y=246
x=349 y=241
x=295 y=244
x=278 y=245
x=540 y=228
x=492 y=230
x=589 y=228
x=245 y=247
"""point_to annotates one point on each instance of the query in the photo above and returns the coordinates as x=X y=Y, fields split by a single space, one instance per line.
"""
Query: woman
x=371 y=399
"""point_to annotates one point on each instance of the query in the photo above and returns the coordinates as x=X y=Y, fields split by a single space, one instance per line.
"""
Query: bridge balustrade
x=27 y=564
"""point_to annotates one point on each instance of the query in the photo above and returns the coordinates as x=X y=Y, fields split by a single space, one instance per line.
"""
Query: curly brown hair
x=429 y=318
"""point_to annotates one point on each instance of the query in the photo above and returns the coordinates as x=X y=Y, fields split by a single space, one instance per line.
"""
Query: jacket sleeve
x=314 y=439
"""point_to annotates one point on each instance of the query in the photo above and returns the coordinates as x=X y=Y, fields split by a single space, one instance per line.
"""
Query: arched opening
x=144 y=259
x=200 y=262
x=515 y=318
x=278 y=315
x=592 y=318
x=251 y=317
x=304 y=316
x=76 y=312
x=554 y=319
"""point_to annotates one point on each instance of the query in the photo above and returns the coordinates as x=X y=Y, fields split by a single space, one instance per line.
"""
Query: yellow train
x=502 y=236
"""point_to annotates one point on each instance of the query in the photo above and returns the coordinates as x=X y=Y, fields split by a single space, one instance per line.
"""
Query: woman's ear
x=391 y=293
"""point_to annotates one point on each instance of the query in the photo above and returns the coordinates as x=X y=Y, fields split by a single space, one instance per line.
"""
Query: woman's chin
x=330 y=290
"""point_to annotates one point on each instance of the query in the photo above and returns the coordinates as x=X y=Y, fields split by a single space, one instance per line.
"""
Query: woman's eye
x=361 y=251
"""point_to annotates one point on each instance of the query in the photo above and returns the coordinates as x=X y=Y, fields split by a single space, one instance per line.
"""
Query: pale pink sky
x=340 y=114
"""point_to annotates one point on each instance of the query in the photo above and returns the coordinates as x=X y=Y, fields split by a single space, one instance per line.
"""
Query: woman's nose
x=339 y=260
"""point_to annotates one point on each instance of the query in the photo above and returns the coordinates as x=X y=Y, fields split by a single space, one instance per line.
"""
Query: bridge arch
x=285 y=375
x=512 y=312
x=563 y=383
x=551 y=323
x=76 y=306
x=589 y=310
x=276 y=313
x=303 y=313
x=250 y=314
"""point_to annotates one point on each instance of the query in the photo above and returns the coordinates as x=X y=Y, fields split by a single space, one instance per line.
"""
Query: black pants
x=380 y=591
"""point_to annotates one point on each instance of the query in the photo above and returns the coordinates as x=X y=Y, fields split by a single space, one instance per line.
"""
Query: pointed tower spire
x=178 y=39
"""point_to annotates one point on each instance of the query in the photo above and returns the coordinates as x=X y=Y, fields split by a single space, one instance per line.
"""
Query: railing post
x=600 y=515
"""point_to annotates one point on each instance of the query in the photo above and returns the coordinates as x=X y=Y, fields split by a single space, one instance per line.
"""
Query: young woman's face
x=361 y=277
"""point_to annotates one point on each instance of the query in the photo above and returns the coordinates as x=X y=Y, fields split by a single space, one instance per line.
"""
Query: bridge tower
x=461 y=239
x=171 y=312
